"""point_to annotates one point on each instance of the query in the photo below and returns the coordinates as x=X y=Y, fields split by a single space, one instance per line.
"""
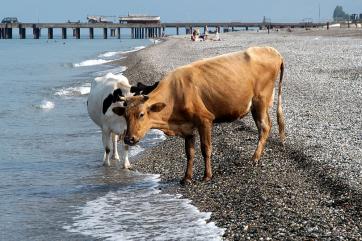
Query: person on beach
x=195 y=35
x=217 y=35
x=206 y=33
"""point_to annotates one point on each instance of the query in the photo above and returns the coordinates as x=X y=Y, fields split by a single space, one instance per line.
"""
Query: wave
x=117 y=70
x=46 y=105
x=105 y=57
x=139 y=211
x=142 y=212
x=135 y=49
x=135 y=150
x=91 y=62
x=74 y=91
x=152 y=138
x=113 y=53
x=108 y=54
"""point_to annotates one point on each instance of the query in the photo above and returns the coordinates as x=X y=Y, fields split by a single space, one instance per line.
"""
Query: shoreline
x=297 y=192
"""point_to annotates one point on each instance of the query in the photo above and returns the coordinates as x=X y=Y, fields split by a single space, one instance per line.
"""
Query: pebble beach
x=310 y=189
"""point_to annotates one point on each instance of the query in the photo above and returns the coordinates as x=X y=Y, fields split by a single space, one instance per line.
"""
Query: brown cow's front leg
x=205 y=139
x=190 y=154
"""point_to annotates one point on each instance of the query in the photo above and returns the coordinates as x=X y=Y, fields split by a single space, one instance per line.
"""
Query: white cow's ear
x=119 y=110
x=157 y=107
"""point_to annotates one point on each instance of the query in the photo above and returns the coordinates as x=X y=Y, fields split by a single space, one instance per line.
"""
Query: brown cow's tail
x=280 y=115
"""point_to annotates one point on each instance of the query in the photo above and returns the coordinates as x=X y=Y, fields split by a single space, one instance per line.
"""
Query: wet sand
x=311 y=188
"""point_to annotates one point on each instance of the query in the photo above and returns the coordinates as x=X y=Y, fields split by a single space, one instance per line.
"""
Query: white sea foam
x=117 y=70
x=108 y=54
x=141 y=212
x=152 y=138
x=134 y=49
x=91 y=62
x=113 y=53
x=74 y=91
x=135 y=150
x=46 y=105
x=105 y=57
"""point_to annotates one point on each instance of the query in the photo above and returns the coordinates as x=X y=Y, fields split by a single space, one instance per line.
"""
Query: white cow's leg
x=106 y=139
x=115 y=155
x=126 y=165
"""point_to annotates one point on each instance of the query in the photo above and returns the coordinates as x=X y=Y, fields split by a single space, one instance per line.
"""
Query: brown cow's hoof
x=255 y=162
x=206 y=179
x=186 y=181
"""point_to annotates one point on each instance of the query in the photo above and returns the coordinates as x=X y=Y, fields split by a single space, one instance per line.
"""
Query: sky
x=178 y=11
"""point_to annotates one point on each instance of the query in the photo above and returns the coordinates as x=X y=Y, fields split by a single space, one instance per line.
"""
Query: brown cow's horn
x=145 y=97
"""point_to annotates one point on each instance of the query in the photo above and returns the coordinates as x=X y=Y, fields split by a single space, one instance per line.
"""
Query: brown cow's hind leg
x=190 y=154
x=262 y=120
x=205 y=139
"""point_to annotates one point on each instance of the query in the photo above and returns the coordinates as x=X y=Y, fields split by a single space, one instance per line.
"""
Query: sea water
x=52 y=182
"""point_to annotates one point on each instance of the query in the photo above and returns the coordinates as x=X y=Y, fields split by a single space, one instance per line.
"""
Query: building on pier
x=141 y=19
x=143 y=32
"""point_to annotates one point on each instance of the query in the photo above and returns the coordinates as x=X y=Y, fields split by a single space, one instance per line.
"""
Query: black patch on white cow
x=142 y=89
x=111 y=98
x=116 y=95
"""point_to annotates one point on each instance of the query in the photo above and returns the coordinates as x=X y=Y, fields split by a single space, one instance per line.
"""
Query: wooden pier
x=137 y=31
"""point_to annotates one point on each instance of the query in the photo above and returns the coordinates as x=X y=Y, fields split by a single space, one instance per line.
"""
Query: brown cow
x=219 y=89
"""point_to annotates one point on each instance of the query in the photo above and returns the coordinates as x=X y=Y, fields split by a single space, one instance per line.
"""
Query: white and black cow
x=105 y=95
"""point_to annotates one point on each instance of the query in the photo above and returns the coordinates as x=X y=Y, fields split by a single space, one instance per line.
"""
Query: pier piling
x=119 y=33
x=36 y=32
x=22 y=32
x=105 y=33
x=77 y=33
x=91 y=33
x=50 y=33
x=8 y=33
x=64 y=33
x=113 y=32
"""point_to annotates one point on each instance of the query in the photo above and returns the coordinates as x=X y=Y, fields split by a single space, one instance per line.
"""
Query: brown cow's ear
x=157 y=107
x=119 y=110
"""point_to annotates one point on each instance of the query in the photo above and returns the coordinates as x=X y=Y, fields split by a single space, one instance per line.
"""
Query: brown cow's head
x=138 y=114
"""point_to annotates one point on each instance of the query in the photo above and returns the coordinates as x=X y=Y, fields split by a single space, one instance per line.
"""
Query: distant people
x=217 y=35
x=195 y=35
x=205 y=35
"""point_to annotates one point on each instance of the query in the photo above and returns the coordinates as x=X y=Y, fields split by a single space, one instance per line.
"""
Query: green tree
x=339 y=14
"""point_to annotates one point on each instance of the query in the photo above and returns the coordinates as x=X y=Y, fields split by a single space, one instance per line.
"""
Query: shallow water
x=52 y=183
